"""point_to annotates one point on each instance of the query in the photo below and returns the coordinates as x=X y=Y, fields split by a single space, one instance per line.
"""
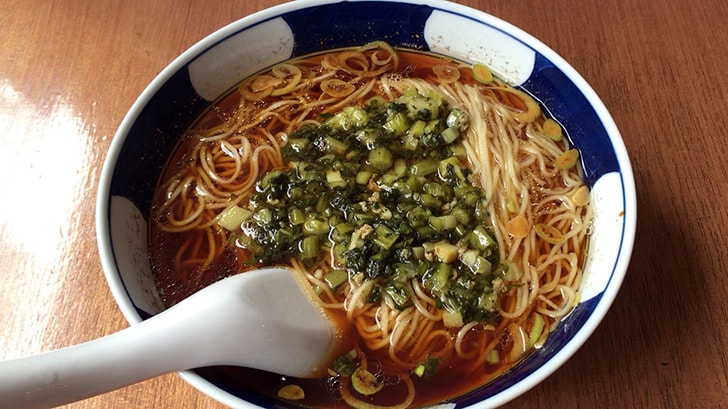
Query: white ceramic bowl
x=183 y=89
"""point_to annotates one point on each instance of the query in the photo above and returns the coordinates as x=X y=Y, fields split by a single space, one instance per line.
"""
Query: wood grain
x=69 y=71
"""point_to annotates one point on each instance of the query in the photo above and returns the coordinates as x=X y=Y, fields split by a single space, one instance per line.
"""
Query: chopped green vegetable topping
x=492 y=357
x=365 y=382
x=387 y=189
x=537 y=330
x=344 y=364
x=428 y=368
x=232 y=217
x=482 y=74
x=567 y=159
x=335 y=278
x=552 y=129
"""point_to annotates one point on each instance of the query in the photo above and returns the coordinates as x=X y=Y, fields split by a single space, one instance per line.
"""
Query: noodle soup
x=435 y=210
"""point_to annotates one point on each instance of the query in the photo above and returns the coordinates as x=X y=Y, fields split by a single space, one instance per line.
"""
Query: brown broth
x=174 y=286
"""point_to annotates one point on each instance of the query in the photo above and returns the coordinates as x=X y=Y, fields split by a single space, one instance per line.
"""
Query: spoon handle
x=78 y=372
x=167 y=342
x=242 y=320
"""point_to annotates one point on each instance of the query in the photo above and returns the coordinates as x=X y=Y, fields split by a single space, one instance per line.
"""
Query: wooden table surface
x=70 y=69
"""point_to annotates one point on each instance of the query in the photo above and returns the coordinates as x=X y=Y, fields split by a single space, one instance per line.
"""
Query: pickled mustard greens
x=384 y=190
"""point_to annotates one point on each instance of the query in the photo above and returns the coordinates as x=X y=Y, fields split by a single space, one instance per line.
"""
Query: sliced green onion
x=344 y=228
x=481 y=239
x=335 y=146
x=452 y=319
x=365 y=382
x=450 y=134
x=492 y=357
x=458 y=151
x=385 y=237
x=461 y=215
x=482 y=74
x=439 y=190
x=334 y=179
x=418 y=216
x=398 y=124
x=430 y=201
x=380 y=158
x=488 y=301
x=428 y=368
x=442 y=223
x=449 y=170
x=458 y=119
x=424 y=167
x=232 y=217
x=309 y=247
x=552 y=129
x=363 y=177
x=512 y=206
x=549 y=233
x=349 y=118
x=399 y=292
x=438 y=279
x=536 y=330
x=567 y=159
x=315 y=226
x=291 y=392
x=335 y=278
x=417 y=129
x=344 y=364
x=296 y=216
x=400 y=167
x=309 y=172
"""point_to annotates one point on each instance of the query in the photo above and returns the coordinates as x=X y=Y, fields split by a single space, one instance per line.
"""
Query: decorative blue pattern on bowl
x=172 y=102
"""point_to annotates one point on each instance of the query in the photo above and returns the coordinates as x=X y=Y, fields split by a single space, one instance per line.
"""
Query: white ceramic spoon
x=260 y=319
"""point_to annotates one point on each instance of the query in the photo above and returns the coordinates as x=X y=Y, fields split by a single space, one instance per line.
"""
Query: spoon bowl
x=242 y=320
